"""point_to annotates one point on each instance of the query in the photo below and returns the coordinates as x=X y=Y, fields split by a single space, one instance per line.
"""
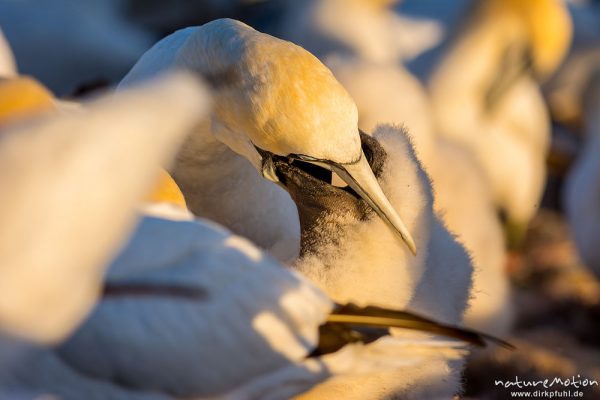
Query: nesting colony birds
x=184 y=293
x=486 y=96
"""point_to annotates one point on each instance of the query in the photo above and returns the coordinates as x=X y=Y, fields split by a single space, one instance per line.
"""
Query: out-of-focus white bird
x=42 y=38
x=388 y=93
x=60 y=226
x=486 y=97
x=364 y=28
x=7 y=60
x=190 y=310
x=582 y=190
x=271 y=97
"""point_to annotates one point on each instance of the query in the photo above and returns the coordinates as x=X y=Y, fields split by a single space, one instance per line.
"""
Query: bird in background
x=369 y=29
x=54 y=220
x=486 y=96
x=581 y=195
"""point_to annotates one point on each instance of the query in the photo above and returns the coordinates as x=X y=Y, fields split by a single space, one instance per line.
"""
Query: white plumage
x=66 y=176
x=388 y=93
x=486 y=97
x=360 y=261
x=271 y=96
x=279 y=98
x=363 y=28
x=8 y=66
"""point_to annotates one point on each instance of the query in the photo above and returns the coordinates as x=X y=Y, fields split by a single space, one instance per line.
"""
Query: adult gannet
x=8 y=66
x=388 y=93
x=485 y=95
x=272 y=97
x=582 y=191
x=55 y=239
x=365 y=28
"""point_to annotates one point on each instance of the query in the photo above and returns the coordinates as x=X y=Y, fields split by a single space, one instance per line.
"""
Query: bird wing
x=71 y=184
x=192 y=310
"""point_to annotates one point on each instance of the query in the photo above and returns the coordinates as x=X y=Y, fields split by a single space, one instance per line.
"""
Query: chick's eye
x=315 y=171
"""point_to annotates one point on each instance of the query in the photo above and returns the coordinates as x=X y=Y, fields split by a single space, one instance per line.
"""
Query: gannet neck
x=23 y=97
x=222 y=186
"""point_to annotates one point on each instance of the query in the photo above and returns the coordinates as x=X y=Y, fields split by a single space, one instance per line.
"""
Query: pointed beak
x=360 y=177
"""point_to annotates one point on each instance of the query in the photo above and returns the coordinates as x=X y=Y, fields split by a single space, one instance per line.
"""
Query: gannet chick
x=389 y=93
x=353 y=257
x=8 y=67
x=582 y=191
x=272 y=97
x=65 y=177
x=367 y=29
x=486 y=97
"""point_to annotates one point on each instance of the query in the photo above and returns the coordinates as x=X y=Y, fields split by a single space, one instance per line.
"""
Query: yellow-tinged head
x=166 y=191
x=548 y=27
x=22 y=97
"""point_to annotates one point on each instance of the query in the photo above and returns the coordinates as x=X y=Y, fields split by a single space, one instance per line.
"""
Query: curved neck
x=224 y=187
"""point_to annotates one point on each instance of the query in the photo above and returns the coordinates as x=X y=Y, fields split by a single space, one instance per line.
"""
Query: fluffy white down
x=463 y=199
x=371 y=266
x=75 y=172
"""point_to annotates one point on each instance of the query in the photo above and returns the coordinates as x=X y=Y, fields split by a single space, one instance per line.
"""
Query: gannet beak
x=360 y=177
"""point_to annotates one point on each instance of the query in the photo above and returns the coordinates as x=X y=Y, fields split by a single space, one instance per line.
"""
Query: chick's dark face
x=311 y=187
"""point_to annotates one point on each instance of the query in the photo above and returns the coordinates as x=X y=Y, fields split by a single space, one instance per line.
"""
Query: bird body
x=491 y=104
x=55 y=168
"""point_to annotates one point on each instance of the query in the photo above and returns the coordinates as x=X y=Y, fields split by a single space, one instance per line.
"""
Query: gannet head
x=272 y=97
x=548 y=30
x=275 y=98
x=534 y=37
